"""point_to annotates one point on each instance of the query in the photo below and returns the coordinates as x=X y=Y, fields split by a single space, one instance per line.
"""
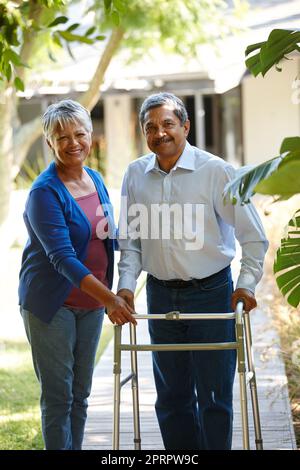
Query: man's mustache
x=163 y=140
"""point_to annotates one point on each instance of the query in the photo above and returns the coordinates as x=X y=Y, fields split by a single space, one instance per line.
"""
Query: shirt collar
x=186 y=160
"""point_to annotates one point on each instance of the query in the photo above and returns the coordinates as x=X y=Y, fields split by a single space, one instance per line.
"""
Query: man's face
x=165 y=135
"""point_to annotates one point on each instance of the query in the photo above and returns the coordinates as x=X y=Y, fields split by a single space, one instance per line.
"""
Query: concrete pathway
x=276 y=421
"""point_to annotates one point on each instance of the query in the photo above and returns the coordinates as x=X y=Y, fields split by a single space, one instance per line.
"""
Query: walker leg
x=244 y=411
x=135 y=391
x=242 y=377
x=252 y=382
x=117 y=386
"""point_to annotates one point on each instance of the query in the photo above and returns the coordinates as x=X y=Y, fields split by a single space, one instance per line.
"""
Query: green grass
x=19 y=399
x=19 y=395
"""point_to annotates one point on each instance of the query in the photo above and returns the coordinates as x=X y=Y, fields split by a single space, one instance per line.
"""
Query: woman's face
x=71 y=144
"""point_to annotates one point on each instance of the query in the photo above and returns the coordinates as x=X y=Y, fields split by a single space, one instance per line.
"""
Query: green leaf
x=287 y=262
x=13 y=40
x=284 y=182
x=8 y=72
x=289 y=144
x=56 y=39
x=295 y=279
x=70 y=51
x=101 y=37
x=73 y=26
x=74 y=37
x=58 y=20
x=253 y=64
x=107 y=4
x=119 y=5
x=278 y=176
x=243 y=186
x=90 y=31
x=253 y=47
x=290 y=156
x=13 y=57
x=290 y=259
x=19 y=84
x=115 y=18
x=279 y=43
x=51 y=56
x=295 y=222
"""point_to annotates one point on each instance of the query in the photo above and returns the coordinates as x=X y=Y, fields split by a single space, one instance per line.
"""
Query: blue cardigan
x=59 y=233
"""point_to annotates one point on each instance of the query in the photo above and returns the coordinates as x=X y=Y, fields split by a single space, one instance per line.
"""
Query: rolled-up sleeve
x=46 y=217
x=130 y=264
x=249 y=232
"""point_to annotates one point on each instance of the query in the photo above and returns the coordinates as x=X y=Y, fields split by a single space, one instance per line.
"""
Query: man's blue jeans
x=63 y=355
x=194 y=388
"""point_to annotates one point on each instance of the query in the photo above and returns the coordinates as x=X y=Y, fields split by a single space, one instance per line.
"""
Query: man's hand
x=246 y=296
x=120 y=312
x=128 y=296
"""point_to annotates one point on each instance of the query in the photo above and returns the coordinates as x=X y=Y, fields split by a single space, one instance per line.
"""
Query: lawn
x=19 y=394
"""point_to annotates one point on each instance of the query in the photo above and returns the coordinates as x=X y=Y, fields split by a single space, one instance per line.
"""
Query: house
x=234 y=115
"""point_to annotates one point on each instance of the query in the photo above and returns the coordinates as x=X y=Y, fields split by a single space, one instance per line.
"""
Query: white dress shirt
x=199 y=240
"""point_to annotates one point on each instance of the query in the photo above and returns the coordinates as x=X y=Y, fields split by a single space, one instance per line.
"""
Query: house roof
x=217 y=69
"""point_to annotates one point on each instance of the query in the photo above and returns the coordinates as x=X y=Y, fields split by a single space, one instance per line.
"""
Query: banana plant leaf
x=242 y=187
x=279 y=43
x=279 y=176
x=285 y=182
x=287 y=262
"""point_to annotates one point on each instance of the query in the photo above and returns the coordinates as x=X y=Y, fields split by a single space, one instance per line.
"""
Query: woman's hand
x=119 y=312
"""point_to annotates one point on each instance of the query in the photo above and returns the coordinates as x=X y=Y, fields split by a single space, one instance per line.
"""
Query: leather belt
x=180 y=284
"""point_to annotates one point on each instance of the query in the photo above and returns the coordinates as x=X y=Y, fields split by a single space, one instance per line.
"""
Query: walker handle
x=239 y=306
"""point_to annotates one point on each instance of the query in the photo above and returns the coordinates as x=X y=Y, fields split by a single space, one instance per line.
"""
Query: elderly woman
x=66 y=274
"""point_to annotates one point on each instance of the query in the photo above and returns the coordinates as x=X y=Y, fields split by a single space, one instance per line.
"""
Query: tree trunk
x=6 y=151
x=23 y=140
x=32 y=130
x=13 y=150
x=91 y=96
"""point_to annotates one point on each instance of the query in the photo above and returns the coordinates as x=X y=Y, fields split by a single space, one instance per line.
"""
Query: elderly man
x=184 y=238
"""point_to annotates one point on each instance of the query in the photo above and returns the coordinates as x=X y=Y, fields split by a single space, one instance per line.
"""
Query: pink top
x=96 y=260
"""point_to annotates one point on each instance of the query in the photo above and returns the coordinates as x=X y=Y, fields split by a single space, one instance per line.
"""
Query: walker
x=243 y=338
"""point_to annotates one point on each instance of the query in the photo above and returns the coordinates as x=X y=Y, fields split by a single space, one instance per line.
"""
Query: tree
x=279 y=176
x=23 y=24
x=180 y=26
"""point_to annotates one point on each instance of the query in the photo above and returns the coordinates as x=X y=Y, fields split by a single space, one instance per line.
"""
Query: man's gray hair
x=64 y=112
x=160 y=99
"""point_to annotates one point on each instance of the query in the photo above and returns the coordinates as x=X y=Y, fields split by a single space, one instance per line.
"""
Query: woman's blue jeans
x=194 y=388
x=63 y=354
